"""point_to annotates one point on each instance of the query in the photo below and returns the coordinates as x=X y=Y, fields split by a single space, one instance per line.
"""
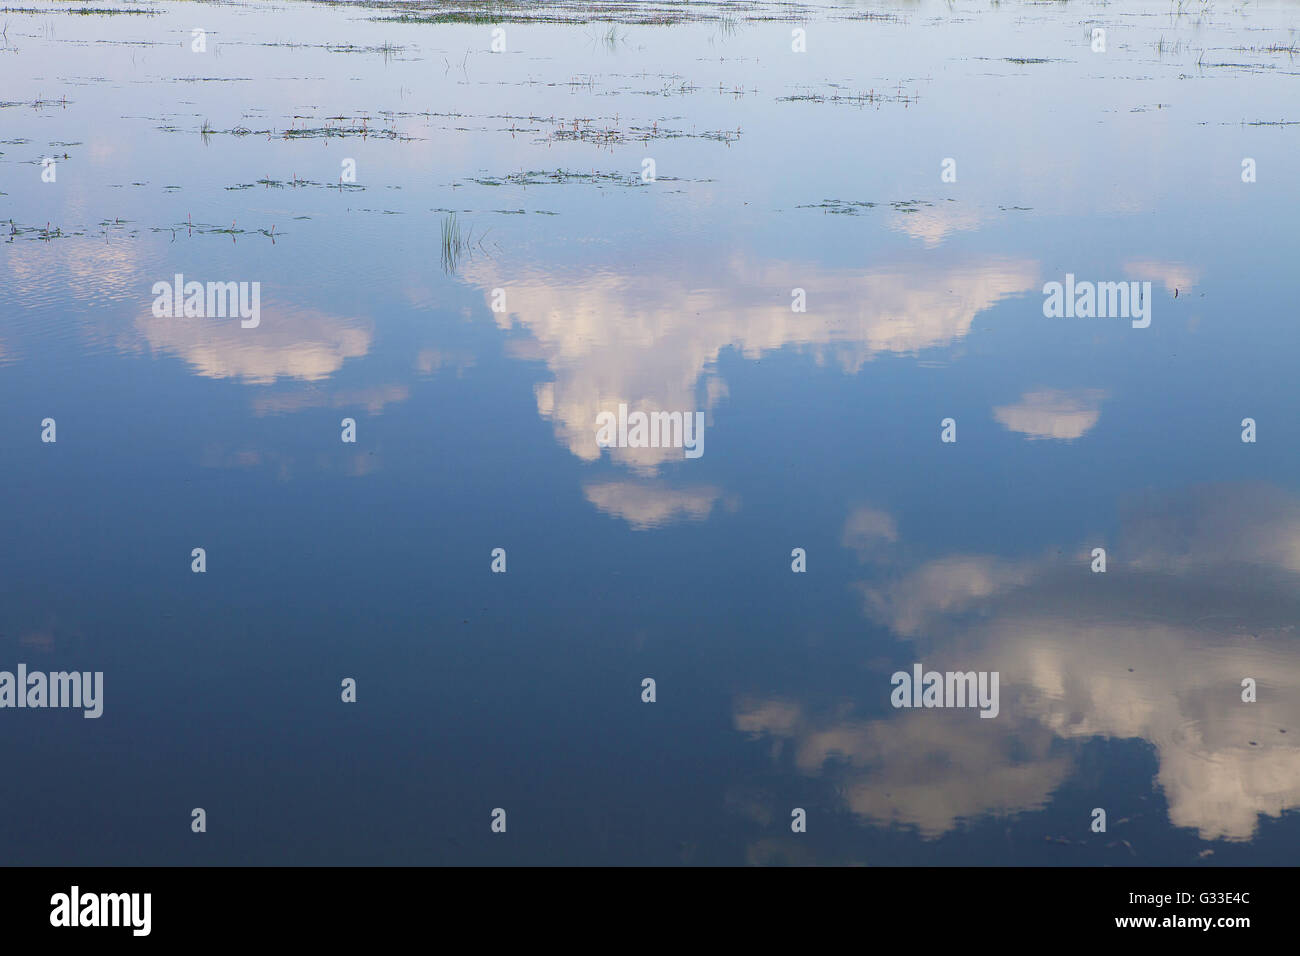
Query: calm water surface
x=774 y=171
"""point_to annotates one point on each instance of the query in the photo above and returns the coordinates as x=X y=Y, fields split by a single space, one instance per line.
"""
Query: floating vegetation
x=542 y=178
x=840 y=207
x=838 y=94
x=566 y=176
x=386 y=50
x=83 y=11
x=358 y=127
x=191 y=228
x=598 y=131
x=295 y=183
x=36 y=104
x=641 y=13
x=493 y=14
x=117 y=227
x=383 y=49
x=674 y=87
x=43 y=233
x=844 y=207
x=585 y=131
x=329 y=132
x=504 y=212
x=469 y=16
x=910 y=205
x=869 y=15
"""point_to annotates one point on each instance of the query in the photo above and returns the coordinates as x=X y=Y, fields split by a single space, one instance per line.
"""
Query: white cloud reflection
x=1155 y=649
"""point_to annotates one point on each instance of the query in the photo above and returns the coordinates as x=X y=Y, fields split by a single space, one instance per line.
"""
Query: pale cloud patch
x=429 y=361
x=945 y=586
x=867 y=529
x=647 y=340
x=645 y=505
x=1052 y=414
x=291 y=343
x=371 y=399
x=934 y=224
x=1174 y=275
x=1208 y=593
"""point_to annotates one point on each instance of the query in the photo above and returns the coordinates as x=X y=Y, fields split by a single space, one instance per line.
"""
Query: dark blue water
x=476 y=430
